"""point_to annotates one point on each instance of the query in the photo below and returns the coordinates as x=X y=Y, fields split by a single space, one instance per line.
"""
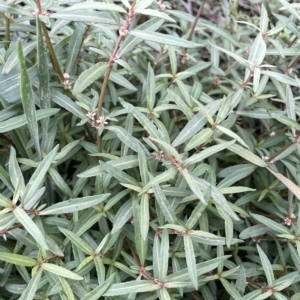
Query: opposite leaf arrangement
x=149 y=150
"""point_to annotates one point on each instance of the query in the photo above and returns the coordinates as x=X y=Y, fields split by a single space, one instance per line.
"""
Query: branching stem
x=122 y=32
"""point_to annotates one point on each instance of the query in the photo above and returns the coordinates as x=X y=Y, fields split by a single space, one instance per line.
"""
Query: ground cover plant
x=149 y=150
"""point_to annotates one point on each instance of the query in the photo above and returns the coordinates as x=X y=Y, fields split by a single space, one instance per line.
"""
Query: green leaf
x=122 y=216
x=4 y=202
x=73 y=205
x=270 y=223
x=163 y=177
x=280 y=77
x=44 y=80
x=38 y=176
x=231 y=289
x=66 y=288
x=96 y=6
x=119 y=79
x=145 y=122
x=164 y=255
x=196 y=123
x=164 y=205
x=232 y=134
x=88 y=16
x=163 y=294
x=190 y=259
x=89 y=76
x=118 y=174
x=59 y=181
x=100 y=290
x=266 y=266
x=200 y=138
x=202 y=268
x=13 y=59
x=77 y=241
x=286 y=121
x=191 y=181
x=74 y=47
x=28 y=101
x=21 y=120
x=163 y=39
x=288 y=183
x=60 y=271
x=150 y=88
x=207 y=153
x=154 y=13
x=144 y=216
x=17 y=259
x=125 y=137
x=253 y=231
x=140 y=224
x=124 y=288
x=30 y=226
x=32 y=286
x=222 y=33
x=246 y=154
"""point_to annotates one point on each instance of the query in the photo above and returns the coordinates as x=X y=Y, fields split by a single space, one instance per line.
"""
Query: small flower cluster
x=95 y=123
x=256 y=240
x=185 y=58
x=273 y=133
x=161 y=6
x=265 y=158
x=288 y=220
x=66 y=81
x=123 y=31
x=43 y=13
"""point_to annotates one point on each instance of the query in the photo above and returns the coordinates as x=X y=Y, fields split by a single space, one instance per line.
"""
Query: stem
x=122 y=33
x=280 y=151
x=196 y=20
x=53 y=57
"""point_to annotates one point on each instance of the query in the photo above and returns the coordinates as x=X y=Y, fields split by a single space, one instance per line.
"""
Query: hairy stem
x=196 y=20
x=122 y=32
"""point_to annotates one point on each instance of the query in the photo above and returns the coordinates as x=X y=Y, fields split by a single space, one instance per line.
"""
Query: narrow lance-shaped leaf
x=30 y=226
x=17 y=259
x=74 y=46
x=44 y=78
x=60 y=271
x=38 y=176
x=19 y=121
x=73 y=205
x=164 y=39
x=266 y=266
x=190 y=259
x=100 y=290
x=145 y=122
x=165 y=176
x=89 y=76
x=150 y=88
x=32 y=286
x=164 y=205
x=28 y=101
x=288 y=183
x=76 y=240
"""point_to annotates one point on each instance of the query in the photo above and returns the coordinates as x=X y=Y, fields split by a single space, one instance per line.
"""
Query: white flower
x=102 y=120
x=90 y=115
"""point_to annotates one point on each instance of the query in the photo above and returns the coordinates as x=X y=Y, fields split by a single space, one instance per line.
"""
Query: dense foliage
x=149 y=150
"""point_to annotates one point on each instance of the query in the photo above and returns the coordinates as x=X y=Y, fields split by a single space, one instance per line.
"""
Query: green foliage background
x=187 y=187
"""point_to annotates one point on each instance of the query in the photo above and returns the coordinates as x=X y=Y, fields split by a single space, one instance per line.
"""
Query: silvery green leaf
x=163 y=39
x=30 y=226
x=28 y=100
x=60 y=271
x=73 y=205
